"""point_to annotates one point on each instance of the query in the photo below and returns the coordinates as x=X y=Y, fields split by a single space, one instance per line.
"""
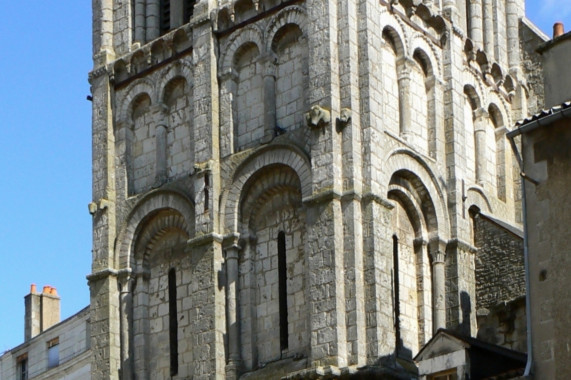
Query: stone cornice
x=204 y=240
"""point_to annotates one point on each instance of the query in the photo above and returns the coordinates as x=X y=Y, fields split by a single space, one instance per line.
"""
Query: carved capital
x=317 y=117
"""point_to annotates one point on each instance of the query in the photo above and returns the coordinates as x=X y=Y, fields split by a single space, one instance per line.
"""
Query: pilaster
x=352 y=182
x=378 y=274
x=461 y=287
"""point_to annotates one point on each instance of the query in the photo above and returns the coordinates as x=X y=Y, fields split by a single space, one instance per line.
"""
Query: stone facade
x=286 y=185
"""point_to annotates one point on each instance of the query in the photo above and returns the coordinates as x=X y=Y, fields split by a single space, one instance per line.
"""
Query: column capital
x=437 y=250
x=227 y=74
x=232 y=245
x=480 y=113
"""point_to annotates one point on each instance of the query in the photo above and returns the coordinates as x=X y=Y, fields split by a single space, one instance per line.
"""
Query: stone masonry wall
x=499 y=263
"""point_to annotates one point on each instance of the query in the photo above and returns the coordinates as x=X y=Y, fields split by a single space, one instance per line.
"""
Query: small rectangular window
x=53 y=353
x=22 y=363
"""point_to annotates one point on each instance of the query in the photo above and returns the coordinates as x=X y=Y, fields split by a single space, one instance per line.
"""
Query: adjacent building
x=545 y=160
x=52 y=349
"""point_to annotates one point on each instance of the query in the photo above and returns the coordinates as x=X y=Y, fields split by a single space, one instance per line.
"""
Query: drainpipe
x=529 y=364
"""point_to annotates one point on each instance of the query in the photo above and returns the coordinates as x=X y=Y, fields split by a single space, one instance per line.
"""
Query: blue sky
x=45 y=153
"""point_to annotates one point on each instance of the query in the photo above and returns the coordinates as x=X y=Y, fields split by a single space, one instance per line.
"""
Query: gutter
x=529 y=126
x=511 y=136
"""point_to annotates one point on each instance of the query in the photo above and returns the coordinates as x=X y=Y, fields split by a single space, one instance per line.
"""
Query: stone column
x=228 y=120
x=423 y=280
x=141 y=328
x=102 y=28
x=140 y=21
x=475 y=22
x=450 y=10
x=269 y=96
x=489 y=28
x=437 y=252
x=232 y=311
x=480 y=125
x=513 y=14
x=126 y=307
x=435 y=117
x=153 y=19
x=161 y=155
x=404 y=65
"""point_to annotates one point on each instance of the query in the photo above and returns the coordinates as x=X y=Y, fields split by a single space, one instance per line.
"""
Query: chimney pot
x=558 y=29
x=33 y=289
x=46 y=289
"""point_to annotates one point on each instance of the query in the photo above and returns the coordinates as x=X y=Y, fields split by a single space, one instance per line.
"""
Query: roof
x=542 y=118
x=469 y=342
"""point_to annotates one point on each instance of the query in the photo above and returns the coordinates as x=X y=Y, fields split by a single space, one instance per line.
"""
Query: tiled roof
x=544 y=113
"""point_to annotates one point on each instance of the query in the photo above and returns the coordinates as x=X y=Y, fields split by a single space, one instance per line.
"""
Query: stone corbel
x=317 y=117
x=200 y=167
x=344 y=119
x=98 y=206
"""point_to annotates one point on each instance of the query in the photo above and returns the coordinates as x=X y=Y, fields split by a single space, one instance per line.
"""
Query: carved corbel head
x=317 y=117
x=343 y=119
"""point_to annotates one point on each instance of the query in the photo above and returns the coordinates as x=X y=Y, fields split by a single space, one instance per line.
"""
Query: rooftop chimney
x=558 y=29
x=42 y=310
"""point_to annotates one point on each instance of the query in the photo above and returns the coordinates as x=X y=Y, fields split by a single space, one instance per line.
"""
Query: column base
x=232 y=370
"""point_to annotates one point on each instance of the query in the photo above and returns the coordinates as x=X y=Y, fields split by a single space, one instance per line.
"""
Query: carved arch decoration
x=472 y=79
x=260 y=188
x=502 y=107
x=412 y=205
x=250 y=34
x=474 y=97
x=265 y=157
x=170 y=86
x=180 y=69
x=130 y=231
x=475 y=196
x=295 y=15
x=395 y=39
x=396 y=30
x=140 y=86
x=420 y=42
x=152 y=230
x=406 y=161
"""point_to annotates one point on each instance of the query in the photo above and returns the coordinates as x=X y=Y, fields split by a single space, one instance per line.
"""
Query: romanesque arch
x=285 y=155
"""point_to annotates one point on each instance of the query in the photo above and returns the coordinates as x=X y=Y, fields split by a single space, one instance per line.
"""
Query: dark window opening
x=282 y=285
x=206 y=192
x=396 y=293
x=165 y=16
x=173 y=323
x=23 y=367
